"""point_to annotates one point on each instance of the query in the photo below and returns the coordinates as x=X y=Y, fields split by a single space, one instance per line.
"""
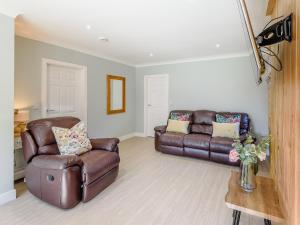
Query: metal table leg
x=236 y=217
x=267 y=222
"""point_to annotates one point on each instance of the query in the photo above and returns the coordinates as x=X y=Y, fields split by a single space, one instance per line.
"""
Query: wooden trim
x=270 y=8
x=108 y=88
x=284 y=118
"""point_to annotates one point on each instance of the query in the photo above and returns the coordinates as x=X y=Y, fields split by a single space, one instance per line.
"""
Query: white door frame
x=146 y=97
x=83 y=69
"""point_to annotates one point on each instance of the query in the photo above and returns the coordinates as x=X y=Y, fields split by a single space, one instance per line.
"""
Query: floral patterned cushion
x=180 y=116
x=228 y=119
x=72 y=141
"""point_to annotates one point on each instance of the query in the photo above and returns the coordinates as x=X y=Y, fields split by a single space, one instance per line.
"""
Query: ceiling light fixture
x=88 y=27
x=151 y=54
x=218 y=45
x=104 y=39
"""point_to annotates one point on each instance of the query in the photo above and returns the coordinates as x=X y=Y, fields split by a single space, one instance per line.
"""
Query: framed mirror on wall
x=116 y=94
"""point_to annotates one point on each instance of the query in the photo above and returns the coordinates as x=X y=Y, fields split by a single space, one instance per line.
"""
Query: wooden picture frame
x=109 y=78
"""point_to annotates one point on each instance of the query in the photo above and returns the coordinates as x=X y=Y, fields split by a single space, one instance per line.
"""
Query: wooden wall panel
x=284 y=118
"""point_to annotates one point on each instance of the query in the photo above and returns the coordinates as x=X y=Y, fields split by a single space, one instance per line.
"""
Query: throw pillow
x=178 y=126
x=236 y=118
x=229 y=130
x=180 y=116
x=73 y=141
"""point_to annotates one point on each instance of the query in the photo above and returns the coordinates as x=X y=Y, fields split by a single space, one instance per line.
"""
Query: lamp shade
x=22 y=116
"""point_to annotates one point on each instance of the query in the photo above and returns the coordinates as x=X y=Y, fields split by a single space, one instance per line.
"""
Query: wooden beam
x=270 y=8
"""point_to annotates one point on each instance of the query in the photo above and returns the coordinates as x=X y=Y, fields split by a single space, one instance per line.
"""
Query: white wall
x=220 y=85
x=7 y=191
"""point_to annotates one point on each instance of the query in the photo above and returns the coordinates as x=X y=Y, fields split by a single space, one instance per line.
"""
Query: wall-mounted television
x=252 y=45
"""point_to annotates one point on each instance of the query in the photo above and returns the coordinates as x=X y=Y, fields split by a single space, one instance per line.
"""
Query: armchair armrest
x=107 y=144
x=161 y=129
x=56 y=161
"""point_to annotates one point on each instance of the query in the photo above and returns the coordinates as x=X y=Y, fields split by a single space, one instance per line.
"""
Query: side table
x=262 y=202
x=19 y=162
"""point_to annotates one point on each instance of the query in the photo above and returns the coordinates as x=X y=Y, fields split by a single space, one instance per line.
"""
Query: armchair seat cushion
x=198 y=141
x=97 y=163
x=221 y=144
x=172 y=139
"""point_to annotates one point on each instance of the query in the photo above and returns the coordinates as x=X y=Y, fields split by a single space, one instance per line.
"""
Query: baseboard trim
x=131 y=135
x=7 y=196
x=139 y=134
x=126 y=136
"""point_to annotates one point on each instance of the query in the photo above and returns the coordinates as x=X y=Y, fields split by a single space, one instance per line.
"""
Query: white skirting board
x=131 y=135
x=7 y=196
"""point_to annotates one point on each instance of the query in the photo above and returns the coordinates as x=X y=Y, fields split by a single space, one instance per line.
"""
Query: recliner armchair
x=65 y=180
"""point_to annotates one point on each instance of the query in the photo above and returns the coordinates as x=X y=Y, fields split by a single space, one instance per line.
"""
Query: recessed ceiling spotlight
x=104 y=39
x=218 y=45
x=151 y=54
x=88 y=27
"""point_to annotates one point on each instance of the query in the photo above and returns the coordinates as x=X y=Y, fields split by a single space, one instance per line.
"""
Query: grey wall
x=28 y=60
x=221 y=85
x=6 y=108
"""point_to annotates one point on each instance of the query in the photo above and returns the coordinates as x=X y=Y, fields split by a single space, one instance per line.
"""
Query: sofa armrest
x=56 y=162
x=160 y=129
x=107 y=144
x=243 y=137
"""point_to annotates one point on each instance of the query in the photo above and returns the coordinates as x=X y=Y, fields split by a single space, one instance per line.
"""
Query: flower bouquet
x=249 y=153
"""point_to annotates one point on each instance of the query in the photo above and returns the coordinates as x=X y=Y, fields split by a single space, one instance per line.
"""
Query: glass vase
x=247 y=176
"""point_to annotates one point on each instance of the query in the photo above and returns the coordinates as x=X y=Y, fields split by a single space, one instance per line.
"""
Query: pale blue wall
x=221 y=85
x=28 y=57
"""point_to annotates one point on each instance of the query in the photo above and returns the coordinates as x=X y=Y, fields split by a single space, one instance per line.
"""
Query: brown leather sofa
x=65 y=180
x=199 y=143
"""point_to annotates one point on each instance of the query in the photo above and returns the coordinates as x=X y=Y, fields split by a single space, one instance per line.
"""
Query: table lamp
x=20 y=119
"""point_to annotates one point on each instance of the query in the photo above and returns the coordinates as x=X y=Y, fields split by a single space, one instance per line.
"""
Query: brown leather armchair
x=65 y=180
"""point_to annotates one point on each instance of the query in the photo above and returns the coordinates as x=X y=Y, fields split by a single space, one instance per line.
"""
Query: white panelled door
x=65 y=91
x=156 y=102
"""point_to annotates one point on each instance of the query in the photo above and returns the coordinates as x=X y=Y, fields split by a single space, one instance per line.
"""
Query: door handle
x=149 y=105
x=51 y=110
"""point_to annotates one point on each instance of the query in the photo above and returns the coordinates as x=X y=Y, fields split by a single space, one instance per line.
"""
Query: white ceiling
x=170 y=29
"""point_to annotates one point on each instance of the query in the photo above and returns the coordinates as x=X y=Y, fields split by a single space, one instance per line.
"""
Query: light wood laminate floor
x=152 y=189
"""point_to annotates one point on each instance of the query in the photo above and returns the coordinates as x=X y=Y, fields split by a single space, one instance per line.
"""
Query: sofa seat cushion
x=221 y=145
x=172 y=139
x=96 y=163
x=199 y=141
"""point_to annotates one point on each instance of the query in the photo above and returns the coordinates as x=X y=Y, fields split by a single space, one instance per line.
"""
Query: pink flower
x=233 y=156
x=262 y=156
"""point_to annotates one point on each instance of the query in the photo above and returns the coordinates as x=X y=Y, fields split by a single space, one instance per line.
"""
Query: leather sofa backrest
x=30 y=148
x=245 y=121
x=41 y=131
x=202 y=121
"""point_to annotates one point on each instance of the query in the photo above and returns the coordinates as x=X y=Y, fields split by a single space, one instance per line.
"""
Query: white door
x=65 y=91
x=156 y=102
